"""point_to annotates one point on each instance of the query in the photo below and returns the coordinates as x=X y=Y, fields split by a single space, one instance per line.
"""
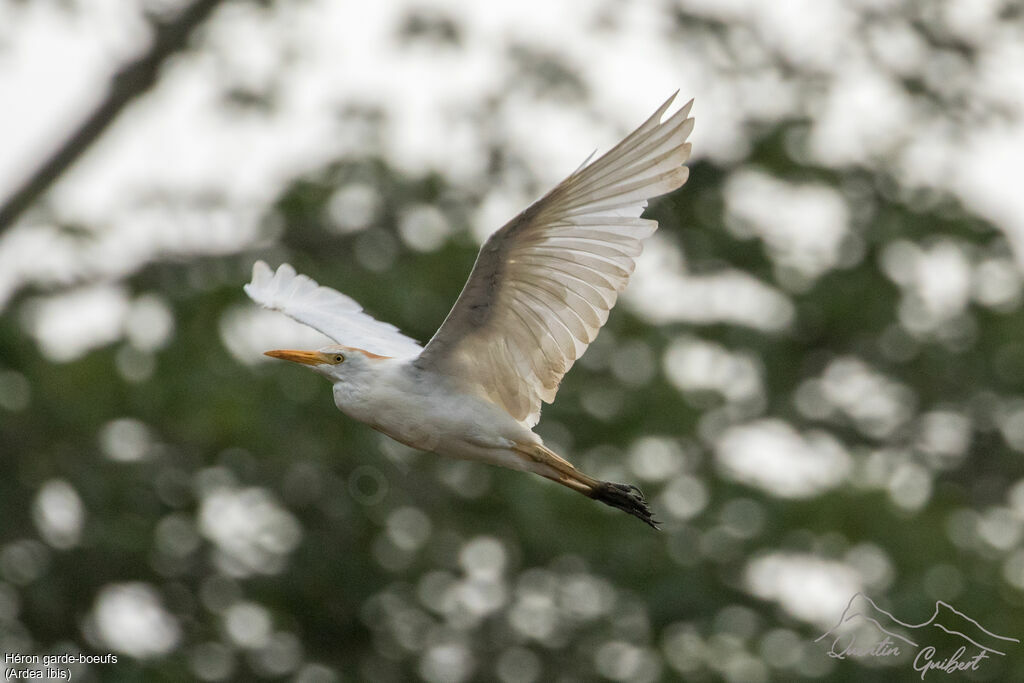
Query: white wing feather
x=338 y=316
x=543 y=285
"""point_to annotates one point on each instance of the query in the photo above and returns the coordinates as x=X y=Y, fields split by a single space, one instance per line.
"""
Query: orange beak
x=304 y=357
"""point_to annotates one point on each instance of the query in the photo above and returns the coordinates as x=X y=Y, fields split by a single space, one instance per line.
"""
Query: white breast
x=421 y=410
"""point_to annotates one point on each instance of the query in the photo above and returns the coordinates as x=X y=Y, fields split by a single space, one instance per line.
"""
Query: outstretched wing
x=327 y=310
x=543 y=285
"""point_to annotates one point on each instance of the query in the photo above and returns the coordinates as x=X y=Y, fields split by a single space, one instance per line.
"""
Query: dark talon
x=627 y=498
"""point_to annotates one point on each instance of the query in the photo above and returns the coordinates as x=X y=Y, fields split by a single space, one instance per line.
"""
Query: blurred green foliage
x=274 y=427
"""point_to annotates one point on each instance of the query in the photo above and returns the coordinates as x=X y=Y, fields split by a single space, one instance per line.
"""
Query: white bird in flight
x=538 y=294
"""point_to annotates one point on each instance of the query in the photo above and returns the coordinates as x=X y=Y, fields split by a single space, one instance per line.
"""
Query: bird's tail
x=625 y=497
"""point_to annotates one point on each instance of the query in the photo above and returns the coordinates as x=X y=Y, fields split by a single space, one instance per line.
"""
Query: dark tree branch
x=133 y=79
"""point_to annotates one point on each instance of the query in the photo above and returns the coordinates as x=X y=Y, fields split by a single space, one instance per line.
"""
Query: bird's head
x=334 y=362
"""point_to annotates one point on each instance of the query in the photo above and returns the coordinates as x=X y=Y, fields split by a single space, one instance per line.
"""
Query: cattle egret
x=540 y=290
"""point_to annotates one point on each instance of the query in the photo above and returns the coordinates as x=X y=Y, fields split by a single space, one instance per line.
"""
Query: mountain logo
x=949 y=641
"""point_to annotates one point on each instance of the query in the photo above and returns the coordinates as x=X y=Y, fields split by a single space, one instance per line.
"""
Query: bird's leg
x=625 y=497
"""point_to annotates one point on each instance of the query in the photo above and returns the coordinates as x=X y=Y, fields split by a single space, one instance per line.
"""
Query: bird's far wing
x=327 y=310
x=542 y=285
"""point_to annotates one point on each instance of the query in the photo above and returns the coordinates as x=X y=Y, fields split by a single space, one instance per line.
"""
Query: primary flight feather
x=539 y=292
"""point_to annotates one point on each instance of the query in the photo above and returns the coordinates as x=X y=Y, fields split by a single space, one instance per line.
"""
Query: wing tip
x=684 y=111
x=266 y=283
x=260 y=270
x=656 y=118
x=261 y=276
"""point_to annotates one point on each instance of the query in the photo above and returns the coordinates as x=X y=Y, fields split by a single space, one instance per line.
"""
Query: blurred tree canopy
x=817 y=378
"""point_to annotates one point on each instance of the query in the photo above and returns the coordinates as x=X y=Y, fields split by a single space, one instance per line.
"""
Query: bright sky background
x=142 y=188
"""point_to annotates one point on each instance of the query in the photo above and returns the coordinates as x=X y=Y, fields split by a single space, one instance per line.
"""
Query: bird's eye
x=339 y=358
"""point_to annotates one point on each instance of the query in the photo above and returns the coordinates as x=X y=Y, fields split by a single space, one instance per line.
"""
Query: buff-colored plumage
x=540 y=290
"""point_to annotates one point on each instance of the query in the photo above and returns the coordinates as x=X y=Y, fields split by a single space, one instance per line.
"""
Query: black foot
x=627 y=498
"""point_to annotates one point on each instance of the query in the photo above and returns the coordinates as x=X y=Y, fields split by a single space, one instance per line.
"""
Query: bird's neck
x=356 y=385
